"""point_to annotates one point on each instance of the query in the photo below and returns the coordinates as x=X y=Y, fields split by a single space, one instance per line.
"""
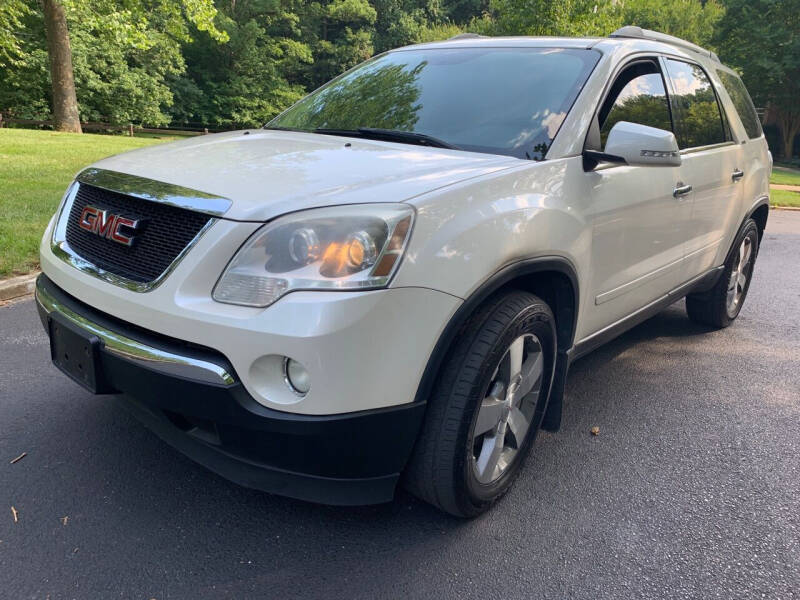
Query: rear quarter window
x=742 y=102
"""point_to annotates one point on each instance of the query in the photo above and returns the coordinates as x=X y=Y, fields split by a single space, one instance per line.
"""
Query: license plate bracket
x=76 y=353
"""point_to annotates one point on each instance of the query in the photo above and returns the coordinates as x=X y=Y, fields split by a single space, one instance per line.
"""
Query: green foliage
x=373 y=91
x=551 y=17
x=123 y=55
x=11 y=16
x=403 y=22
x=25 y=83
x=339 y=34
x=435 y=33
x=762 y=39
x=691 y=20
x=250 y=79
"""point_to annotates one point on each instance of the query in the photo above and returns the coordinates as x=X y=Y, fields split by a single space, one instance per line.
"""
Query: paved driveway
x=692 y=488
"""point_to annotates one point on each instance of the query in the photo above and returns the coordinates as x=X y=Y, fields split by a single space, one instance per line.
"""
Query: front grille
x=166 y=231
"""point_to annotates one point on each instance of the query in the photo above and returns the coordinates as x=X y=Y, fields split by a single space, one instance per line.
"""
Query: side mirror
x=637 y=145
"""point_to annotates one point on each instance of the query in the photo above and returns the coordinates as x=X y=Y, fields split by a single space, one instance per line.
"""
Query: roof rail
x=466 y=36
x=632 y=31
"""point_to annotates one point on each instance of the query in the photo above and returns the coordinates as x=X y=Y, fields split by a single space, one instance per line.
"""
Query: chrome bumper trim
x=136 y=352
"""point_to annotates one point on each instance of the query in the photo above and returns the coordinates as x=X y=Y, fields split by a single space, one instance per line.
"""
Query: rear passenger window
x=637 y=96
x=742 y=103
x=695 y=106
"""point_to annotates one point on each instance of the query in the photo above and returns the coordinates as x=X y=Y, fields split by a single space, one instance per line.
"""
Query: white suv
x=389 y=281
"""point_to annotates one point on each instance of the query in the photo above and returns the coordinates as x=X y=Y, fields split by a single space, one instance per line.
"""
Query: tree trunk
x=788 y=138
x=65 y=102
x=788 y=123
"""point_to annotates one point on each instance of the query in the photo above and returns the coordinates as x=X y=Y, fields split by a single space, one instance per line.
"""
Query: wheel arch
x=760 y=213
x=552 y=278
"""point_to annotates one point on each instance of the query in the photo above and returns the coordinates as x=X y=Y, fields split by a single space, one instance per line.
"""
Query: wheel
x=486 y=406
x=720 y=306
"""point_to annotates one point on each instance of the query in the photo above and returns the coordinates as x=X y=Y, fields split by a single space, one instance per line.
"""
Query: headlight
x=338 y=248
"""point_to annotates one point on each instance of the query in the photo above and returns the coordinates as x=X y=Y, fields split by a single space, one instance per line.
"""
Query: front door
x=637 y=234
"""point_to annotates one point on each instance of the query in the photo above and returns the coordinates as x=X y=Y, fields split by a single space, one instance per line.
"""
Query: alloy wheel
x=739 y=275
x=506 y=413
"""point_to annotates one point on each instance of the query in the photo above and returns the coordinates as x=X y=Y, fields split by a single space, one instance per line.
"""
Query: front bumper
x=193 y=399
x=362 y=350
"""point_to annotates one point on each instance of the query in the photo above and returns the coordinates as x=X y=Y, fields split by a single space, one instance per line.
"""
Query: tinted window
x=499 y=100
x=742 y=103
x=695 y=106
x=637 y=96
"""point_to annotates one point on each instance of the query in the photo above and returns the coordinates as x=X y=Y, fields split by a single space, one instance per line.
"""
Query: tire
x=454 y=466
x=720 y=306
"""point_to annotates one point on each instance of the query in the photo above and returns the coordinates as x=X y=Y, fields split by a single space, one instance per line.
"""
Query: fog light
x=296 y=376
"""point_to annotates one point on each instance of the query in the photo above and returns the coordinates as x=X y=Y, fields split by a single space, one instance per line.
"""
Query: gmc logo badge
x=108 y=225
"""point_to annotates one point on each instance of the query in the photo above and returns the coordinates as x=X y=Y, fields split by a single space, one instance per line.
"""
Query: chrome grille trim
x=156 y=191
x=62 y=249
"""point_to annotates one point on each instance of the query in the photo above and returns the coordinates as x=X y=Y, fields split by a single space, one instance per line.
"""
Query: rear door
x=711 y=166
x=755 y=162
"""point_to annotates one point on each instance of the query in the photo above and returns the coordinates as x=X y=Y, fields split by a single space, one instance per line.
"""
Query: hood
x=268 y=173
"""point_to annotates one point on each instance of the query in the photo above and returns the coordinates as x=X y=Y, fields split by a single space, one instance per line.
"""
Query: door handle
x=737 y=174
x=681 y=189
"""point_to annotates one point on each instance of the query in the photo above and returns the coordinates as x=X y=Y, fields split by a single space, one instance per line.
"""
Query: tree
x=254 y=76
x=401 y=22
x=691 y=20
x=65 y=102
x=340 y=35
x=760 y=38
x=110 y=59
x=549 y=17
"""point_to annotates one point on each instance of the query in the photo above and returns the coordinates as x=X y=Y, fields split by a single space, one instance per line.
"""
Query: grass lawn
x=35 y=169
x=785 y=176
x=784 y=198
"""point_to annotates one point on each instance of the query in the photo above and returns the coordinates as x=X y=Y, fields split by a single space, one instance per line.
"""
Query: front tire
x=720 y=306
x=486 y=406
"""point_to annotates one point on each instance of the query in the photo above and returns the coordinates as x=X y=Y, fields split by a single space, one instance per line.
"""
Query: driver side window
x=638 y=96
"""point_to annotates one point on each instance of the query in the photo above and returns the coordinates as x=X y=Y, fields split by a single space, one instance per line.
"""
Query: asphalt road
x=691 y=489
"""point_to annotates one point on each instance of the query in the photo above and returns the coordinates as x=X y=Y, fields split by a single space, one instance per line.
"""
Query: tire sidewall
x=538 y=320
x=750 y=230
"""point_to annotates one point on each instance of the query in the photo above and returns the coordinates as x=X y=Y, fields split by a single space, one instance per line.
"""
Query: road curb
x=785 y=208
x=16 y=287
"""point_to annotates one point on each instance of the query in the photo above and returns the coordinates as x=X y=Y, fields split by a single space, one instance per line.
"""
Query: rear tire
x=720 y=306
x=486 y=406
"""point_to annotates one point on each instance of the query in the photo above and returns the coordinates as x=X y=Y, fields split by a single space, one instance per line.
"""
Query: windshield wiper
x=390 y=135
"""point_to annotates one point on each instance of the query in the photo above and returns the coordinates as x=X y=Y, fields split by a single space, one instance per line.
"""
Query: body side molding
x=585 y=346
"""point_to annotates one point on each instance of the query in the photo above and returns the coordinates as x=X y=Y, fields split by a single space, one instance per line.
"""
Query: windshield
x=497 y=100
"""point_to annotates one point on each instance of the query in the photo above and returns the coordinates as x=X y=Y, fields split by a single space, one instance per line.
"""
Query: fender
x=506 y=274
